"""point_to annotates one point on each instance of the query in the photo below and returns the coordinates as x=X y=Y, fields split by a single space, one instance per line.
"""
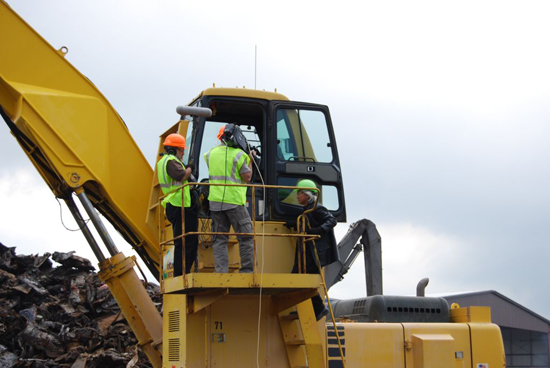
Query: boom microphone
x=194 y=111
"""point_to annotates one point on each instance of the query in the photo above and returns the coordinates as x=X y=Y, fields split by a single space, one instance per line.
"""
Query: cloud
x=33 y=221
x=409 y=254
x=453 y=263
x=30 y=218
x=440 y=114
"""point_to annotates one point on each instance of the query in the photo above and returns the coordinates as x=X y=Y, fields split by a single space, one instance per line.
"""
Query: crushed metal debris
x=62 y=316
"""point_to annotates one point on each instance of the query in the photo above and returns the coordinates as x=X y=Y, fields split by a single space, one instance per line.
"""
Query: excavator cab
x=293 y=141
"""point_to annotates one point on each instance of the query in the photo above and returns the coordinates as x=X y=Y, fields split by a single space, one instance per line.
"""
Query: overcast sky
x=440 y=110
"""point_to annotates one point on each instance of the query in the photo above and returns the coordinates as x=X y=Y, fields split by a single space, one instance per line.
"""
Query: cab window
x=210 y=140
x=328 y=194
x=302 y=135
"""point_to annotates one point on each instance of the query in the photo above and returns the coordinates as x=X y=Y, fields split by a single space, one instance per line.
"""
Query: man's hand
x=253 y=158
x=290 y=224
x=315 y=231
x=191 y=166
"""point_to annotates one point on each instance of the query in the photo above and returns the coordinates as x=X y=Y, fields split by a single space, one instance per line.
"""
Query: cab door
x=303 y=146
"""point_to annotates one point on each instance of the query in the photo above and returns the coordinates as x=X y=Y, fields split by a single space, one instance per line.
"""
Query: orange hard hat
x=175 y=140
x=220 y=133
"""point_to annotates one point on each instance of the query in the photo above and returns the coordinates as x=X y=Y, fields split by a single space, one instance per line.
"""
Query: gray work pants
x=241 y=222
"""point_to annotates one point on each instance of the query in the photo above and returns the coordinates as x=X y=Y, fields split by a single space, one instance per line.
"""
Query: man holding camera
x=229 y=164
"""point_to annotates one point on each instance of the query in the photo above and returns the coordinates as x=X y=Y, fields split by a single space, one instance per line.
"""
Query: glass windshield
x=188 y=142
x=189 y=138
x=302 y=135
x=328 y=194
x=210 y=140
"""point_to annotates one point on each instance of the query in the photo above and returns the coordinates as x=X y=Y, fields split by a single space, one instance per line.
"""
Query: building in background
x=524 y=332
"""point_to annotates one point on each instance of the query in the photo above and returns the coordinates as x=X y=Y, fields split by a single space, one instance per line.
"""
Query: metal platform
x=242 y=283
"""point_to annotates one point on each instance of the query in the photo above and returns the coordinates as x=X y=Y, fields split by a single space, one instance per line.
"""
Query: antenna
x=255 y=64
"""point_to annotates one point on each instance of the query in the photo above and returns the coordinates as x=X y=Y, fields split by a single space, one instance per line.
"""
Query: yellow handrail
x=300 y=222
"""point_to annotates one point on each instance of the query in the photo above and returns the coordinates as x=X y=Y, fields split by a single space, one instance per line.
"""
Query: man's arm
x=246 y=177
x=246 y=174
x=176 y=171
x=246 y=171
x=325 y=220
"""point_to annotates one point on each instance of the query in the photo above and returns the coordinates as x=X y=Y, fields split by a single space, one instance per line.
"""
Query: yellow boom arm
x=79 y=144
x=72 y=134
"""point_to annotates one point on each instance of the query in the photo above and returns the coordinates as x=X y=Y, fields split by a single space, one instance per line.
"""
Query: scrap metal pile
x=62 y=316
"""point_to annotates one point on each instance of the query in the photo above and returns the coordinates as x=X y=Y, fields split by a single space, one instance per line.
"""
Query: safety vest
x=224 y=164
x=168 y=184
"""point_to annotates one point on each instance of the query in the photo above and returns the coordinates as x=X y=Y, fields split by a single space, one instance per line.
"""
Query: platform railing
x=300 y=221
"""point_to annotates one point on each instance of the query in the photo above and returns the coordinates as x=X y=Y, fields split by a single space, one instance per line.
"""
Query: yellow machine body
x=77 y=142
x=219 y=323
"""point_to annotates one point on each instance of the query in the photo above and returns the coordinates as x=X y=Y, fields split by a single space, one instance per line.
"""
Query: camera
x=234 y=137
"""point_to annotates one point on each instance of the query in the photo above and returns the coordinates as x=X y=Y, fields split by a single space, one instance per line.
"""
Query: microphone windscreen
x=194 y=111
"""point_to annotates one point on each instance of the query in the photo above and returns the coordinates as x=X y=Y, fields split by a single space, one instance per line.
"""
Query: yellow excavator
x=82 y=149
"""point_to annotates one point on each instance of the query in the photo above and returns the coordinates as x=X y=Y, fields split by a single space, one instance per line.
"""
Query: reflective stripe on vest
x=224 y=164
x=168 y=184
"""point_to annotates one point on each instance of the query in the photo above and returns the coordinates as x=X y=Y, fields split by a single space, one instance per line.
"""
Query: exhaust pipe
x=421 y=287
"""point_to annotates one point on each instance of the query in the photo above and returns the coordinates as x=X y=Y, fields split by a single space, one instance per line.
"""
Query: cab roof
x=242 y=92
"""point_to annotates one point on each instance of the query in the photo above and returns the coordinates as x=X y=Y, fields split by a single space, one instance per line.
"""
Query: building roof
x=504 y=311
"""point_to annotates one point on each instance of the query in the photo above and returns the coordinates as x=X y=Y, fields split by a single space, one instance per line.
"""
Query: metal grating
x=334 y=357
x=414 y=310
x=358 y=306
x=173 y=350
x=174 y=321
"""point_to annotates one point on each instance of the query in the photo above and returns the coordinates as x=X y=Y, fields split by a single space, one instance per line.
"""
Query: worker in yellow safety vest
x=228 y=164
x=172 y=173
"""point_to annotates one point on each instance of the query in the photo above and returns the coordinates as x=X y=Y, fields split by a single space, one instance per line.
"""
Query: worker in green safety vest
x=172 y=173
x=228 y=164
